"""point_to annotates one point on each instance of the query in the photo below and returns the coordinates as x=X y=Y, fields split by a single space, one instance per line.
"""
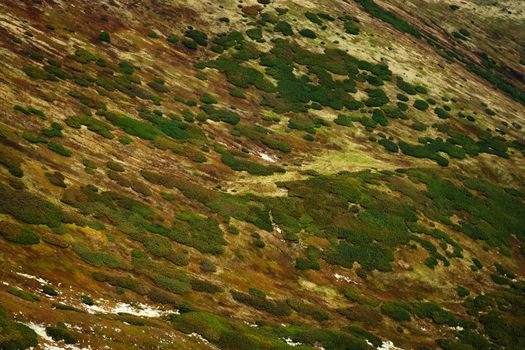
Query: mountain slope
x=262 y=174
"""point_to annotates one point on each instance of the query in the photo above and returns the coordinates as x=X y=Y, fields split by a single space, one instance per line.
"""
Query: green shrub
x=441 y=113
x=237 y=93
x=307 y=264
x=418 y=126
x=284 y=28
x=126 y=67
x=54 y=131
x=462 y=292
x=104 y=36
x=23 y=295
x=386 y=16
x=30 y=137
x=121 y=282
x=207 y=266
x=60 y=333
x=313 y=18
x=362 y=313
x=377 y=98
x=17 y=234
x=307 y=309
x=37 y=73
x=379 y=117
x=197 y=36
x=208 y=99
x=14 y=335
x=396 y=310
x=11 y=161
x=173 y=39
x=344 y=120
x=115 y=166
x=58 y=148
x=502 y=270
x=84 y=56
x=421 y=105
x=254 y=168
x=153 y=34
x=260 y=302
x=426 y=151
x=29 y=208
x=437 y=314
x=221 y=115
x=389 y=145
x=158 y=84
x=172 y=285
x=204 y=286
x=49 y=290
x=402 y=97
x=132 y=126
x=56 y=179
x=255 y=33
x=86 y=299
x=96 y=258
x=308 y=33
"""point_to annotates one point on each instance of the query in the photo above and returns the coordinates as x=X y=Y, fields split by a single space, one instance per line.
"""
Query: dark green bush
x=307 y=264
x=23 y=294
x=37 y=73
x=308 y=33
x=122 y=282
x=307 y=309
x=104 y=36
x=260 y=302
x=197 y=36
x=396 y=310
x=344 y=120
x=49 y=290
x=362 y=313
x=29 y=208
x=86 y=299
x=60 y=333
x=207 y=266
x=441 y=113
x=421 y=105
x=14 y=335
x=11 y=161
x=54 y=131
x=237 y=93
x=252 y=167
x=56 y=179
x=17 y=234
x=204 y=286
x=386 y=16
x=126 y=67
x=30 y=137
x=97 y=258
x=284 y=28
x=58 y=148
x=389 y=145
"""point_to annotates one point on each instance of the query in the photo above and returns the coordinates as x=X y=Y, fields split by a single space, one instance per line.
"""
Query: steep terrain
x=336 y=174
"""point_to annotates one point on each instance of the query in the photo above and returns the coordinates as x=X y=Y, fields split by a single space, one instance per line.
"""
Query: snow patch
x=40 y=330
x=290 y=342
x=38 y=279
x=388 y=345
x=344 y=278
x=140 y=309
x=201 y=339
x=267 y=157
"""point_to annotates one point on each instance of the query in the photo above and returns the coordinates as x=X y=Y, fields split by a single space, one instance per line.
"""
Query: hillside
x=262 y=174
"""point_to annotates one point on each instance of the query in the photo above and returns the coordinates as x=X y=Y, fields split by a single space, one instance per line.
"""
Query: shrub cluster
x=259 y=301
